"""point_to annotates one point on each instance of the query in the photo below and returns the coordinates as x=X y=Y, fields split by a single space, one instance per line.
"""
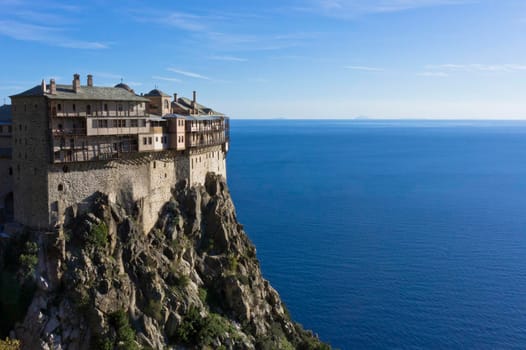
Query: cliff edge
x=193 y=282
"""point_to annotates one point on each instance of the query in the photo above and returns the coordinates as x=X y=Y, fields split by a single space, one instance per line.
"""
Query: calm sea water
x=389 y=234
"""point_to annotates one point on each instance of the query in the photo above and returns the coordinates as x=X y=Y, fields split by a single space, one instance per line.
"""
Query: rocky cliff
x=101 y=283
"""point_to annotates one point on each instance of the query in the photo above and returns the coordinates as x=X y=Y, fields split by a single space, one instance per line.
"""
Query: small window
x=120 y=108
x=59 y=107
x=145 y=140
x=105 y=107
x=154 y=165
x=88 y=109
x=149 y=140
x=60 y=187
x=10 y=171
x=156 y=139
x=74 y=108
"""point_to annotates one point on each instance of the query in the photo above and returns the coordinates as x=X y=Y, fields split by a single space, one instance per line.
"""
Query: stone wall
x=204 y=160
x=30 y=158
x=148 y=179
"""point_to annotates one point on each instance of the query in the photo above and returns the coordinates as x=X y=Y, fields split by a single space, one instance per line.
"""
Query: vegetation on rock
x=193 y=281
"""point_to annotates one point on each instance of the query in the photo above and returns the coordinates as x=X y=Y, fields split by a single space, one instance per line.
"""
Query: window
x=134 y=123
x=60 y=187
x=154 y=165
x=105 y=107
x=166 y=104
x=10 y=171
x=142 y=123
x=145 y=140
x=36 y=106
x=120 y=107
x=9 y=129
x=149 y=140
x=88 y=109
x=59 y=107
x=74 y=108
x=156 y=139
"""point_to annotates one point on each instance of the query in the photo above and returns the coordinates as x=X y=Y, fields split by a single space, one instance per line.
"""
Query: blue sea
x=389 y=234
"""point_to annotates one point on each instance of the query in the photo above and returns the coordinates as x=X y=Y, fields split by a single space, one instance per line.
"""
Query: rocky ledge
x=193 y=282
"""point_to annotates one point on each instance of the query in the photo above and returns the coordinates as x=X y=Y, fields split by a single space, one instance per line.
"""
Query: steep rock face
x=192 y=282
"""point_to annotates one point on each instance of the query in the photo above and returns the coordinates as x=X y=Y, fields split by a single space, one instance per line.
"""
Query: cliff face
x=192 y=282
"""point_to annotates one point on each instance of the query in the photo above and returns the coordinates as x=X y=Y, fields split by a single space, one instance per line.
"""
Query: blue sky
x=287 y=58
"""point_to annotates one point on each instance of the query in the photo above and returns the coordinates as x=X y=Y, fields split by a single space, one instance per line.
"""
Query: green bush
x=203 y=295
x=125 y=335
x=9 y=344
x=232 y=263
x=154 y=309
x=28 y=260
x=98 y=235
x=201 y=331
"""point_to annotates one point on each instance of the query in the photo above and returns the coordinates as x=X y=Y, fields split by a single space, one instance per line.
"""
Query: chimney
x=43 y=86
x=175 y=97
x=195 y=97
x=90 y=80
x=52 y=87
x=76 y=82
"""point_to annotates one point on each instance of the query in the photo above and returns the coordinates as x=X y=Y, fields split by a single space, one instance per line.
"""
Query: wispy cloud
x=188 y=74
x=173 y=80
x=365 y=68
x=228 y=58
x=433 y=74
x=181 y=20
x=44 y=34
x=475 y=67
x=354 y=8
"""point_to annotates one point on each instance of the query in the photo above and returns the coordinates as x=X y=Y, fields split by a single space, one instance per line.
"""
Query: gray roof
x=157 y=92
x=124 y=86
x=65 y=92
x=5 y=113
x=186 y=104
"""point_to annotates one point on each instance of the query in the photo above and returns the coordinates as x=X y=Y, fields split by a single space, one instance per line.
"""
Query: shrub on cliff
x=202 y=331
x=98 y=235
x=9 y=344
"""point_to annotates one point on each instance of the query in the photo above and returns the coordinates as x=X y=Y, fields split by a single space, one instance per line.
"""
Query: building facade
x=71 y=141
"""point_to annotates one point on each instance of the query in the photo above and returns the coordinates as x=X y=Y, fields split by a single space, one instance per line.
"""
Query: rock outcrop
x=192 y=282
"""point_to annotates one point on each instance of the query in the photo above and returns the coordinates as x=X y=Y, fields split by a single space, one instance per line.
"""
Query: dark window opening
x=10 y=171
x=59 y=107
x=88 y=109
x=74 y=108
x=105 y=107
x=60 y=187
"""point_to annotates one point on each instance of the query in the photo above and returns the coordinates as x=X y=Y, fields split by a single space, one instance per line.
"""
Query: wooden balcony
x=70 y=132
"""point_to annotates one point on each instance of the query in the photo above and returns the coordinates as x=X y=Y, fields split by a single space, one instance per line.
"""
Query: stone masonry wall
x=203 y=160
x=30 y=159
x=148 y=179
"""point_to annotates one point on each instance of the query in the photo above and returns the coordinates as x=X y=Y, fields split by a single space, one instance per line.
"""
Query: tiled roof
x=66 y=92
x=186 y=104
x=157 y=92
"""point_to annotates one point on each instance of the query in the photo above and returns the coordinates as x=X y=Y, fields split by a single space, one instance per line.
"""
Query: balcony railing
x=203 y=142
x=69 y=132
x=97 y=114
